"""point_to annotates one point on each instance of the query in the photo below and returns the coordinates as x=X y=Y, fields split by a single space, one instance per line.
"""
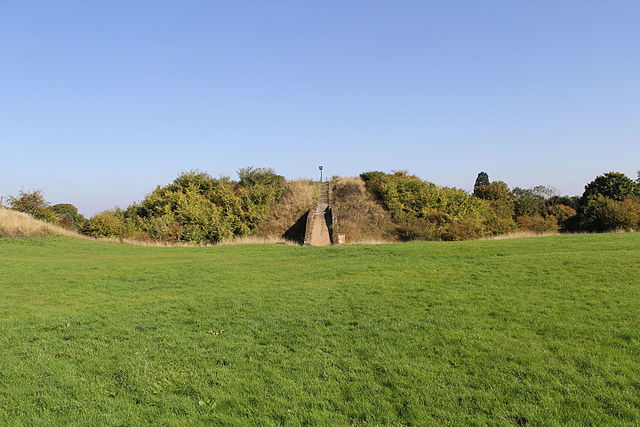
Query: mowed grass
x=513 y=332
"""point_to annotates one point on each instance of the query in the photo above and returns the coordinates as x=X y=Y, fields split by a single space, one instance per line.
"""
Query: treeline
x=198 y=208
x=424 y=211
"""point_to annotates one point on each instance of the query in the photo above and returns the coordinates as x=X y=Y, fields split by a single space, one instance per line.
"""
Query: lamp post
x=320 y=167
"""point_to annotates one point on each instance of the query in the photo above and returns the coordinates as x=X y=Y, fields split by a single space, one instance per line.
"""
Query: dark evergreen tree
x=482 y=179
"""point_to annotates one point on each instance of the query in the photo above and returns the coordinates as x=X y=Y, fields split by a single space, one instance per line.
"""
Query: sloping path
x=319 y=228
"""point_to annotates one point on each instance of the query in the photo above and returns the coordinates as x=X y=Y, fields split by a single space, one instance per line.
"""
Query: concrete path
x=319 y=228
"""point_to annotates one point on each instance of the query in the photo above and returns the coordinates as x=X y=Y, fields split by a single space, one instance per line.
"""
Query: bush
x=105 y=224
x=465 y=229
x=252 y=177
x=500 y=203
x=200 y=209
x=417 y=229
x=497 y=190
x=601 y=214
x=424 y=211
x=571 y=201
x=537 y=223
x=68 y=216
x=498 y=218
x=563 y=215
x=531 y=201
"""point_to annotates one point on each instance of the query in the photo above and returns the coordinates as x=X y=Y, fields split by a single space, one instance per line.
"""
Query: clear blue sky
x=100 y=101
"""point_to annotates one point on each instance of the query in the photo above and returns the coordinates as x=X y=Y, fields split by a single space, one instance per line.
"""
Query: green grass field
x=513 y=332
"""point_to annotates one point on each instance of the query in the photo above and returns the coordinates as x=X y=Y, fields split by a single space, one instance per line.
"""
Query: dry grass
x=257 y=240
x=361 y=218
x=299 y=196
x=18 y=224
x=371 y=242
x=522 y=234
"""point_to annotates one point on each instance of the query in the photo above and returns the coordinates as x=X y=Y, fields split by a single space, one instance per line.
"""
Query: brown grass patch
x=299 y=196
x=523 y=234
x=18 y=224
x=359 y=216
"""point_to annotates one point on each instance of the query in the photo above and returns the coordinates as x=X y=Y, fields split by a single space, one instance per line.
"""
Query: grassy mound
x=298 y=197
x=361 y=218
x=18 y=224
x=525 y=331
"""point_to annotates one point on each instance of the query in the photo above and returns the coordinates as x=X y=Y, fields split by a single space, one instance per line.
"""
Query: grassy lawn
x=513 y=332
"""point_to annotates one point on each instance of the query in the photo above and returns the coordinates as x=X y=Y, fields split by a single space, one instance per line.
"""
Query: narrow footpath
x=319 y=228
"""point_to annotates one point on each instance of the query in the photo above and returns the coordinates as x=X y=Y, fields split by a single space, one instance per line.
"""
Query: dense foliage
x=423 y=210
x=610 y=202
x=198 y=208
x=195 y=208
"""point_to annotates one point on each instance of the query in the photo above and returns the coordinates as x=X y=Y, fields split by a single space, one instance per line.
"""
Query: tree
x=32 y=203
x=638 y=178
x=532 y=201
x=497 y=190
x=563 y=214
x=104 y=224
x=613 y=185
x=482 y=179
x=570 y=201
x=68 y=215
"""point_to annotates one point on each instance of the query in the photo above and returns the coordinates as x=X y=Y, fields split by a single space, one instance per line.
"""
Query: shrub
x=417 y=229
x=563 y=215
x=252 y=177
x=601 y=213
x=69 y=217
x=496 y=190
x=48 y=215
x=531 y=201
x=105 y=224
x=198 y=208
x=537 y=223
x=423 y=210
x=571 y=201
x=498 y=218
x=465 y=229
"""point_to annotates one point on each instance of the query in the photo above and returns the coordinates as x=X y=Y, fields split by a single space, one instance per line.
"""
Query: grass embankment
x=540 y=331
x=18 y=224
x=360 y=217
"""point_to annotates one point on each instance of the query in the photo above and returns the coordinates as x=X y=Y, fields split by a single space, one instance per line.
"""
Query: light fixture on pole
x=320 y=167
